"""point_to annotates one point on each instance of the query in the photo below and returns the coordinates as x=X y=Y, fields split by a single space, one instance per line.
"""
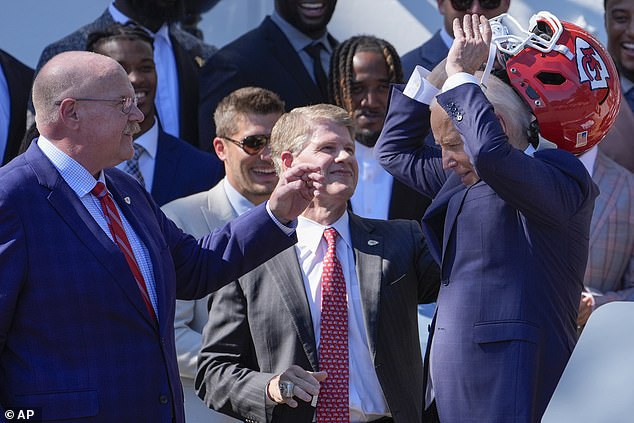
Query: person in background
x=178 y=56
x=166 y=166
x=434 y=50
x=327 y=331
x=15 y=85
x=288 y=54
x=244 y=120
x=610 y=272
x=510 y=216
x=619 y=18
x=90 y=265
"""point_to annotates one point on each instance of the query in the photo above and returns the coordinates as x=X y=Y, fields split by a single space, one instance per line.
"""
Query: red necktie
x=121 y=239
x=333 y=405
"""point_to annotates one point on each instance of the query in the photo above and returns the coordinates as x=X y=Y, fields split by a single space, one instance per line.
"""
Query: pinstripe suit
x=610 y=270
x=261 y=324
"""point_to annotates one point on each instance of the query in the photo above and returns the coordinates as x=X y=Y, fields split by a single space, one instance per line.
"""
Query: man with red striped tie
x=89 y=265
x=327 y=330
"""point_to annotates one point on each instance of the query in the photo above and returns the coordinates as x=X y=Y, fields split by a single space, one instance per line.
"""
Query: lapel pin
x=373 y=242
x=127 y=200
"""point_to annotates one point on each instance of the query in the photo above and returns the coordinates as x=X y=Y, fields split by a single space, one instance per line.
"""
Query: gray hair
x=295 y=129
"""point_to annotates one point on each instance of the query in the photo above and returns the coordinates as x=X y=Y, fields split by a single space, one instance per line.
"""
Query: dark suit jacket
x=75 y=337
x=19 y=77
x=263 y=58
x=513 y=248
x=261 y=324
x=428 y=55
x=190 y=53
x=181 y=170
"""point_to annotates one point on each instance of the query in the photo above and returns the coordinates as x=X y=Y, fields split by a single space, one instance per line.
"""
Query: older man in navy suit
x=288 y=54
x=509 y=223
x=91 y=267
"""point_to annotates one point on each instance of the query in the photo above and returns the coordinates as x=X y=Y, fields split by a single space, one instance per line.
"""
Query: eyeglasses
x=126 y=102
x=463 y=5
x=252 y=144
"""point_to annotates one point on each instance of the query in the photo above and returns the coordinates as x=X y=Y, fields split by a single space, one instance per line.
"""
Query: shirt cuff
x=458 y=79
x=287 y=229
x=419 y=88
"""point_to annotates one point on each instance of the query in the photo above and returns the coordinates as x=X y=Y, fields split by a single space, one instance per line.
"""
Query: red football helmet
x=564 y=74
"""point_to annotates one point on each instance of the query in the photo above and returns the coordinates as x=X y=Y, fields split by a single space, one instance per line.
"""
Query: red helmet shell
x=576 y=98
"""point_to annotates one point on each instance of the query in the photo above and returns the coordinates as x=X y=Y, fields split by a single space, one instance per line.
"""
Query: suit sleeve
x=13 y=264
x=550 y=187
x=188 y=341
x=223 y=255
x=401 y=150
x=226 y=380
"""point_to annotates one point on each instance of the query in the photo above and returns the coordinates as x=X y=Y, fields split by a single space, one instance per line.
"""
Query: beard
x=367 y=137
x=158 y=11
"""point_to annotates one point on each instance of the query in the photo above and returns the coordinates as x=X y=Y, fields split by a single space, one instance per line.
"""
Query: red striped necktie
x=333 y=405
x=121 y=239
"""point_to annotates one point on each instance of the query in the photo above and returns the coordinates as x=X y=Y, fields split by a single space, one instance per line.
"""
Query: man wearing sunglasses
x=248 y=115
x=166 y=166
x=432 y=52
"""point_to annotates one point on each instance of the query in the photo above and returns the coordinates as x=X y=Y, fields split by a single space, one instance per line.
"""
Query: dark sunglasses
x=464 y=5
x=253 y=144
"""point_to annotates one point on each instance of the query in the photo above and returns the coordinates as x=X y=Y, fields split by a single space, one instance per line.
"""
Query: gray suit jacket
x=261 y=324
x=197 y=215
x=610 y=271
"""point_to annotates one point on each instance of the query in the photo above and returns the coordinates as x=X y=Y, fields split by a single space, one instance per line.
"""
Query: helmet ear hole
x=551 y=78
x=543 y=30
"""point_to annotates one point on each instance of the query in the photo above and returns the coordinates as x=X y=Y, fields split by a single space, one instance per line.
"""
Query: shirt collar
x=76 y=176
x=310 y=233
x=121 y=18
x=447 y=39
x=589 y=158
x=239 y=203
x=626 y=84
x=149 y=140
x=298 y=39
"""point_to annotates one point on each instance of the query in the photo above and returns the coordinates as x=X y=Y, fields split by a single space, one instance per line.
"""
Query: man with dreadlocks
x=361 y=71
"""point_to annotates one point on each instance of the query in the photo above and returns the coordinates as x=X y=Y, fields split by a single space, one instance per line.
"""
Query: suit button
x=163 y=399
x=459 y=116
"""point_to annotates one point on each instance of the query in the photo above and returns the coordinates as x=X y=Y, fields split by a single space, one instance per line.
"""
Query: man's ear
x=220 y=148
x=502 y=122
x=287 y=159
x=68 y=113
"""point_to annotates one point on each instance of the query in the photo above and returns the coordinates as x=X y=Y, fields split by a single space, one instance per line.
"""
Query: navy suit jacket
x=513 y=248
x=181 y=170
x=428 y=55
x=263 y=57
x=19 y=77
x=190 y=53
x=75 y=338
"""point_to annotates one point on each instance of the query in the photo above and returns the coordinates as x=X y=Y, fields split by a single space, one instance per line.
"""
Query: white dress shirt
x=373 y=193
x=367 y=401
x=147 y=159
x=167 y=99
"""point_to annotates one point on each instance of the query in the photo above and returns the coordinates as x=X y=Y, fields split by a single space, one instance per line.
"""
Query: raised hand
x=295 y=190
x=470 y=49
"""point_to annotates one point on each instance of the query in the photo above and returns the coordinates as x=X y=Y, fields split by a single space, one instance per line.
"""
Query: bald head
x=73 y=74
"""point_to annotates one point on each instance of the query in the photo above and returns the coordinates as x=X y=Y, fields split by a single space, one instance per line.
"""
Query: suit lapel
x=290 y=282
x=282 y=50
x=368 y=252
x=219 y=209
x=137 y=219
x=71 y=210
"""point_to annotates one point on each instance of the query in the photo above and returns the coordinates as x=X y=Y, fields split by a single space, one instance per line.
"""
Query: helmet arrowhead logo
x=590 y=65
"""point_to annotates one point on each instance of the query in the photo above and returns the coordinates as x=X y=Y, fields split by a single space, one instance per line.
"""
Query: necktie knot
x=314 y=50
x=99 y=190
x=331 y=237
